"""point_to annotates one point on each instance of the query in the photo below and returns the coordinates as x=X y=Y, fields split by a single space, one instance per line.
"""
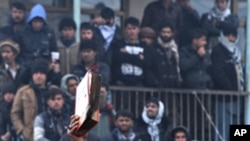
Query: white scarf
x=153 y=129
x=217 y=13
x=231 y=47
x=108 y=34
x=236 y=58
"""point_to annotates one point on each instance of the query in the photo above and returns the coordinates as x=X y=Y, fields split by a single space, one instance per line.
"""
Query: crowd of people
x=171 y=48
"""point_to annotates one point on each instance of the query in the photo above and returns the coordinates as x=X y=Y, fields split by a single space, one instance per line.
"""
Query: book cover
x=86 y=104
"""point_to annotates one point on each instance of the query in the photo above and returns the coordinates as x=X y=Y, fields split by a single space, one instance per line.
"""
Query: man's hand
x=98 y=21
x=141 y=56
x=201 y=51
x=123 y=50
x=74 y=122
x=55 y=66
x=5 y=137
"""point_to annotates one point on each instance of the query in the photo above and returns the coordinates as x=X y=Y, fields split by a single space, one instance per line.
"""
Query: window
x=91 y=9
x=50 y=5
x=92 y=4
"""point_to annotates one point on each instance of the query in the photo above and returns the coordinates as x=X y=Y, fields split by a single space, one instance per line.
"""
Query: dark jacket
x=141 y=128
x=99 y=68
x=155 y=13
x=5 y=120
x=9 y=30
x=54 y=78
x=53 y=124
x=29 y=101
x=114 y=137
x=162 y=70
x=22 y=76
x=213 y=25
x=195 y=70
x=171 y=136
x=128 y=68
x=98 y=39
x=223 y=71
x=90 y=137
x=106 y=123
x=106 y=55
x=191 y=19
x=36 y=44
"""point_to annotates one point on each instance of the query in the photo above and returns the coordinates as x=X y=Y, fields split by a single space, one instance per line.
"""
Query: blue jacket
x=36 y=44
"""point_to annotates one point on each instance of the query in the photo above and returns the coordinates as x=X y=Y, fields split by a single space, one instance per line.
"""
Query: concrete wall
x=4 y=6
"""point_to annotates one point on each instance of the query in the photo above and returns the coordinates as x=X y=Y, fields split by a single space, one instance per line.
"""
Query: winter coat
x=5 y=120
x=192 y=20
x=21 y=76
x=162 y=71
x=29 y=102
x=128 y=69
x=24 y=111
x=68 y=56
x=141 y=128
x=48 y=124
x=10 y=29
x=155 y=13
x=106 y=55
x=223 y=71
x=195 y=70
x=213 y=25
x=36 y=44
x=54 y=78
x=99 y=68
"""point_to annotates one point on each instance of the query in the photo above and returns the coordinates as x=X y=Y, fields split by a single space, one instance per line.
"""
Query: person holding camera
x=37 y=39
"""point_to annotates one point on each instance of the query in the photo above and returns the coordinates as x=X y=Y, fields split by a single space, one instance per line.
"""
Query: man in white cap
x=10 y=70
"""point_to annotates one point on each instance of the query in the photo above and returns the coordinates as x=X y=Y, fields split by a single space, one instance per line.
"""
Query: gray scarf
x=121 y=137
x=172 y=46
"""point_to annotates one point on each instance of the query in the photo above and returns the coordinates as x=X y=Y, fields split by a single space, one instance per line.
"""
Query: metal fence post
x=247 y=108
x=77 y=17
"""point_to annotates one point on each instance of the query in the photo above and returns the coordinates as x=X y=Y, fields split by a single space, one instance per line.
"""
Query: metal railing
x=207 y=114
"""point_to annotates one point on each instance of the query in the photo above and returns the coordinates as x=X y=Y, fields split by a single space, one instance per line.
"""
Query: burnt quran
x=86 y=104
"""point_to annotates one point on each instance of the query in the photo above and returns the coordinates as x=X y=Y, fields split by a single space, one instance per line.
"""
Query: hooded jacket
x=69 y=98
x=36 y=44
x=171 y=136
x=37 y=11
x=142 y=127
